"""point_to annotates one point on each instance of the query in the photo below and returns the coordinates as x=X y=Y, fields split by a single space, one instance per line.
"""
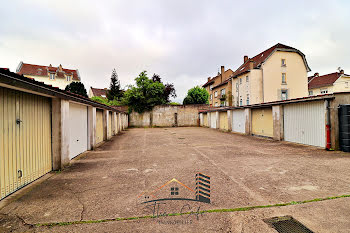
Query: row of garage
x=42 y=128
x=300 y=122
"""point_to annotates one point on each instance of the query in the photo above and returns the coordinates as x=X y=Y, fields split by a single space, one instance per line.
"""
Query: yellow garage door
x=99 y=126
x=25 y=139
x=223 y=120
x=262 y=122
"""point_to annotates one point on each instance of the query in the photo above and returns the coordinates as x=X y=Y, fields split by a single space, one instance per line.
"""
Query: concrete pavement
x=245 y=171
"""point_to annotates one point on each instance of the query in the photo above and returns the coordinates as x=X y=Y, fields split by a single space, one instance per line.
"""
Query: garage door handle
x=78 y=140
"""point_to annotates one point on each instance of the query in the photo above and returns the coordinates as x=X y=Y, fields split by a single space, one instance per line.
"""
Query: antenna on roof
x=339 y=69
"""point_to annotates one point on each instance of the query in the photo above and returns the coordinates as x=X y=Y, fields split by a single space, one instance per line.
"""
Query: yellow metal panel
x=223 y=120
x=99 y=126
x=262 y=122
x=25 y=145
x=205 y=119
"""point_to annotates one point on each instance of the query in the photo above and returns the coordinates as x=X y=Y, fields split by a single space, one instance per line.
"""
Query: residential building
x=329 y=83
x=98 y=92
x=56 y=76
x=278 y=73
x=219 y=88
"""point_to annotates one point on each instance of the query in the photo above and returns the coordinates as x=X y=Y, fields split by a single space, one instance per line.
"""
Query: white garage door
x=238 y=121
x=305 y=123
x=78 y=129
x=213 y=120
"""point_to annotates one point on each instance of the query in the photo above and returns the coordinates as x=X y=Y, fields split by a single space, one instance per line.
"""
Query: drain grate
x=287 y=224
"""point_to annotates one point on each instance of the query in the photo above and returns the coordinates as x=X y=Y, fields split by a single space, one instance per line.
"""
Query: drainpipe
x=328 y=126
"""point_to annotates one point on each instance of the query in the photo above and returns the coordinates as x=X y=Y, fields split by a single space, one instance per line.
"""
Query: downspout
x=328 y=126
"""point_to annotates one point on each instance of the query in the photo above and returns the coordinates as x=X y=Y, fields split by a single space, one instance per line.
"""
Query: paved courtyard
x=100 y=191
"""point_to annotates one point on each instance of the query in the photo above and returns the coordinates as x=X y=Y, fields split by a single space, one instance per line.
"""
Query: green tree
x=77 y=88
x=196 y=95
x=114 y=93
x=145 y=95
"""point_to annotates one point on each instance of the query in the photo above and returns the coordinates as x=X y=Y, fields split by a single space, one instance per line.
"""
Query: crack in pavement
x=238 y=209
x=80 y=202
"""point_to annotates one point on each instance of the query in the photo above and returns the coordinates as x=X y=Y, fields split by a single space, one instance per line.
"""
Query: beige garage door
x=25 y=139
x=99 y=126
x=262 y=122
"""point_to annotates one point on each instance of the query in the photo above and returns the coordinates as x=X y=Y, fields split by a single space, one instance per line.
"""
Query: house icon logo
x=175 y=190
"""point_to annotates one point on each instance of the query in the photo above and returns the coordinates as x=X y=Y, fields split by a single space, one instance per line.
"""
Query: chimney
x=341 y=71
x=245 y=58
x=251 y=65
x=222 y=72
x=316 y=74
x=208 y=79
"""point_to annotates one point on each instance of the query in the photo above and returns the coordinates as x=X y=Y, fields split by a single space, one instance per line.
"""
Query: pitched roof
x=226 y=76
x=99 y=92
x=261 y=58
x=39 y=70
x=323 y=80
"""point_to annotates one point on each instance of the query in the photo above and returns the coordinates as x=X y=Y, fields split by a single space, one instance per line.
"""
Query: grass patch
x=238 y=209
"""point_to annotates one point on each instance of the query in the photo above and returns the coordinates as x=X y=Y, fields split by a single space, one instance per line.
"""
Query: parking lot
x=100 y=190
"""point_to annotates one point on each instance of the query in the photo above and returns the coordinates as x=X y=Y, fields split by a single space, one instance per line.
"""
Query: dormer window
x=52 y=76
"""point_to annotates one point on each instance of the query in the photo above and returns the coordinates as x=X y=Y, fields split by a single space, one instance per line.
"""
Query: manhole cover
x=287 y=224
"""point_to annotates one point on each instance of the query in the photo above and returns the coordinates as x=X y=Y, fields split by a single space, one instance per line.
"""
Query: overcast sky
x=183 y=41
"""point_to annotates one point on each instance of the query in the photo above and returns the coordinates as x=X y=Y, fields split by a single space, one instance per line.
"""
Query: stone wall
x=168 y=116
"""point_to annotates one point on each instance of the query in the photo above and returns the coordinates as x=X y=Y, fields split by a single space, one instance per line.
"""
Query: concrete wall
x=165 y=116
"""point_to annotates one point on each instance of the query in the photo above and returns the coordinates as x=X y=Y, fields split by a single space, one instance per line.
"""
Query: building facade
x=219 y=88
x=55 y=76
x=328 y=83
x=278 y=73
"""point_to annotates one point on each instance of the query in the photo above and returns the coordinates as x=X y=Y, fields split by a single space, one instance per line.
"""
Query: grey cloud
x=183 y=41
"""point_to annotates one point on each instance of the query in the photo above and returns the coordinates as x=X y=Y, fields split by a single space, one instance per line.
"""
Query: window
x=223 y=91
x=223 y=104
x=247 y=99
x=211 y=96
x=284 y=80
x=311 y=93
x=284 y=94
x=211 y=86
x=237 y=85
x=346 y=84
x=283 y=62
x=324 y=91
x=174 y=191
x=216 y=104
x=104 y=96
x=216 y=94
x=247 y=79
x=240 y=101
x=240 y=81
x=69 y=78
x=52 y=76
